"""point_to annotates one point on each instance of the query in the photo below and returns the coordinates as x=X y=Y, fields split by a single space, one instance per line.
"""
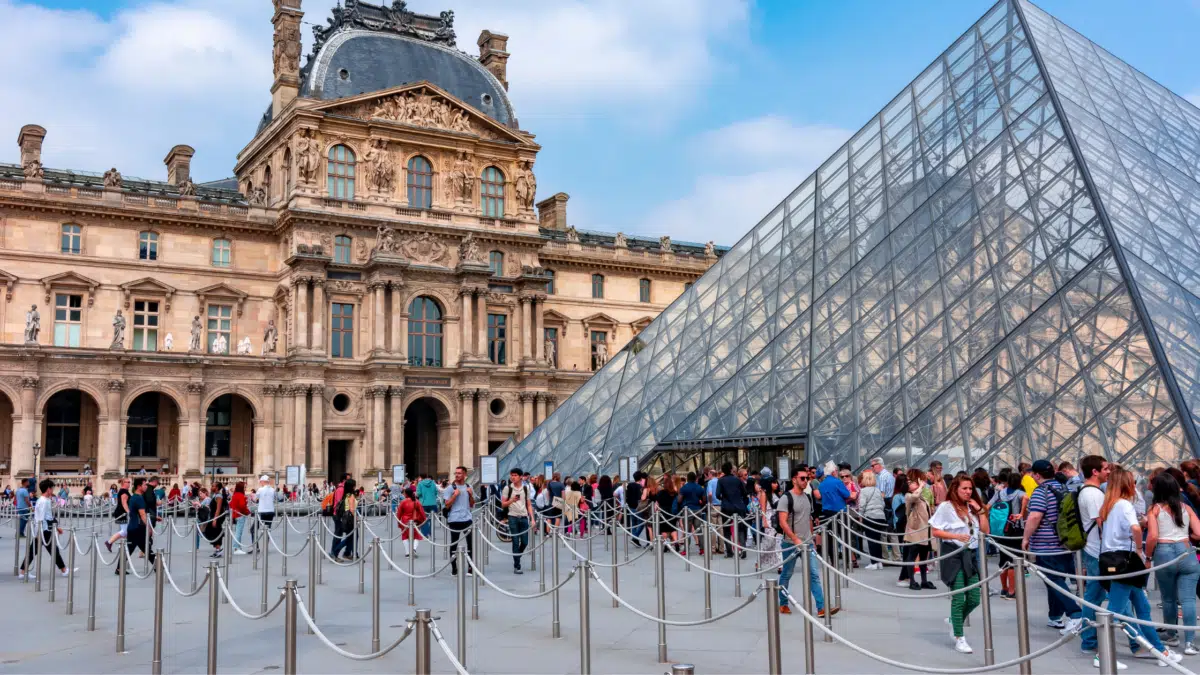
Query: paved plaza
x=511 y=636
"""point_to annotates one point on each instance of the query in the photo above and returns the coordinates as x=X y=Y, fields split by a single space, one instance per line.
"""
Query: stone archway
x=229 y=435
x=426 y=436
x=70 y=432
x=152 y=433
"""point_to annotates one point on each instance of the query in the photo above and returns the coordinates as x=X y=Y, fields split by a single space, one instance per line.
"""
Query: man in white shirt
x=1095 y=472
x=44 y=524
x=266 y=501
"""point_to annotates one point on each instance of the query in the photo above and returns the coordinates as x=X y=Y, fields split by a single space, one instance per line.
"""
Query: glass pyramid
x=1002 y=265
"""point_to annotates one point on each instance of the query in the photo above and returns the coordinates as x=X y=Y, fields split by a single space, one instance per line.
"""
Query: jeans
x=427 y=526
x=1178 y=584
x=814 y=575
x=518 y=529
x=874 y=538
x=1120 y=596
x=343 y=542
x=239 y=529
x=1094 y=593
x=636 y=524
x=457 y=530
x=1058 y=594
x=22 y=521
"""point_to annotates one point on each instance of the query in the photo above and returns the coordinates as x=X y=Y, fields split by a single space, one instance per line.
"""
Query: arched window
x=549 y=282
x=64 y=412
x=267 y=184
x=72 y=239
x=644 y=290
x=287 y=173
x=420 y=183
x=425 y=329
x=491 y=193
x=222 y=251
x=496 y=262
x=148 y=246
x=341 y=249
x=341 y=172
x=597 y=285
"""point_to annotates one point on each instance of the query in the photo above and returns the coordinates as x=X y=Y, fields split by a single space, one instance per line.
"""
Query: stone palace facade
x=378 y=285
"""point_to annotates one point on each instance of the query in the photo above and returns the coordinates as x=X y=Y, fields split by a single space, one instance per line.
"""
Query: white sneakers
x=1096 y=664
x=1071 y=626
x=1190 y=650
x=1172 y=656
x=874 y=566
x=67 y=573
x=961 y=646
x=22 y=577
x=239 y=552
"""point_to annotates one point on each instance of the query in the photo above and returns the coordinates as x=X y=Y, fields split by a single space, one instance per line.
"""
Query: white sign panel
x=489 y=470
x=785 y=469
x=293 y=475
x=398 y=474
x=624 y=468
x=633 y=465
x=548 y=470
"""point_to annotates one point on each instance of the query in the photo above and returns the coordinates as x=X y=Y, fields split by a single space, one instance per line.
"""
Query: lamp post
x=37 y=462
x=212 y=452
x=128 y=454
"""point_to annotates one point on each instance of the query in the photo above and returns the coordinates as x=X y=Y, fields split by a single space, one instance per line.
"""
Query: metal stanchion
x=391 y=519
x=321 y=558
x=737 y=559
x=37 y=557
x=195 y=537
x=314 y=566
x=662 y=600
x=810 y=652
x=555 y=627
x=585 y=619
x=289 y=626
x=533 y=538
x=354 y=544
x=1022 y=614
x=94 y=566
x=825 y=549
x=708 y=541
x=985 y=605
x=226 y=556
x=616 y=582
x=71 y=573
x=629 y=523
x=1080 y=582
x=1106 y=643
x=53 y=559
x=774 y=654
x=214 y=607
x=541 y=551
x=122 y=561
x=267 y=542
x=376 y=591
x=156 y=660
x=461 y=554
x=17 y=543
x=412 y=566
x=683 y=669
x=477 y=558
x=266 y=571
x=423 y=643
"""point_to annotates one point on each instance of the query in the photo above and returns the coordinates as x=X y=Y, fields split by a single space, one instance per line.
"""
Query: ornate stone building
x=378 y=285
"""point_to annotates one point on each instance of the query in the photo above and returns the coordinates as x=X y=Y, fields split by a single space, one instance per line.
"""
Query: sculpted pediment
x=222 y=291
x=71 y=281
x=148 y=286
x=422 y=105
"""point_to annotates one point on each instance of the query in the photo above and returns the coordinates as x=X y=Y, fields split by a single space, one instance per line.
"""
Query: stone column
x=377 y=319
x=539 y=329
x=24 y=436
x=481 y=318
x=300 y=329
x=520 y=342
x=300 y=426
x=541 y=408
x=526 y=399
x=369 y=431
x=284 y=413
x=399 y=334
x=468 y=335
x=481 y=412
x=319 y=311
x=379 y=425
x=317 y=437
x=110 y=453
x=264 y=432
x=193 y=465
x=551 y=404
x=466 y=426
x=396 y=432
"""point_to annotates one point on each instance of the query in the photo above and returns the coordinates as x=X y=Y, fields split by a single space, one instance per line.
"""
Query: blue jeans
x=22 y=521
x=427 y=526
x=637 y=524
x=518 y=529
x=1094 y=593
x=1178 y=584
x=1120 y=596
x=1058 y=594
x=814 y=576
x=239 y=530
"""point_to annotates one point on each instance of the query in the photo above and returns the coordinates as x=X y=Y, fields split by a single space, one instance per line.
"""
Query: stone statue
x=187 y=188
x=468 y=250
x=572 y=235
x=308 y=157
x=169 y=342
x=664 y=244
x=220 y=345
x=112 y=178
x=381 y=171
x=244 y=347
x=257 y=197
x=385 y=240
x=270 y=338
x=710 y=250
x=194 y=345
x=551 y=354
x=621 y=241
x=118 y=324
x=33 y=169
x=526 y=187
x=33 y=324
x=462 y=179
x=601 y=353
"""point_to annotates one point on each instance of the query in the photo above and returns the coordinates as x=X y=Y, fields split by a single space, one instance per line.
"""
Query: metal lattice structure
x=1002 y=265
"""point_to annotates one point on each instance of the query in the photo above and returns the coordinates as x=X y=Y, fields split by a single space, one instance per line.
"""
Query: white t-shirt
x=1118 y=527
x=619 y=495
x=946 y=518
x=266 y=499
x=1090 y=500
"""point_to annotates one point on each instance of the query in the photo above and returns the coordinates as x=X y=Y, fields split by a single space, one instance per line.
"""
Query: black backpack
x=344 y=518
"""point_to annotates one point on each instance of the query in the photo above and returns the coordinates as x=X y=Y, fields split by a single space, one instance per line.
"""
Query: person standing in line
x=871 y=507
x=710 y=486
x=515 y=498
x=731 y=491
x=427 y=495
x=1095 y=470
x=556 y=487
x=45 y=524
x=345 y=511
x=459 y=502
x=916 y=535
x=1171 y=524
x=633 y=502
x=795 y=513
x=958 y=523
x=239 y=508
x=23 y=508
x=1041 y=539
x=936 y=483
x=218 y=511
x=120 y=513
x=691 y=502
x=266 y=502
x=409 y=510
x=140 y=526
x=1012 y=498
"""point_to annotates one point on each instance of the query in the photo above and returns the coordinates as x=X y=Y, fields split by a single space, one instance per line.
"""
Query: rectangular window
x=218 y=427
x=644 y=290
x=550 y=282
x=598 y=286
x=222 y=251
x=552 y=338
x=147 y=246
x=496 y=263
x=145 y=326
x=68 y=320
x=220 y=325
x=497 y=336
x=72 y=239
x=342 y=344
x=599 y=349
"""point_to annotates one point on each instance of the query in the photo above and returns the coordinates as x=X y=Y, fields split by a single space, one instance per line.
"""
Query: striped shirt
x=1045 y=501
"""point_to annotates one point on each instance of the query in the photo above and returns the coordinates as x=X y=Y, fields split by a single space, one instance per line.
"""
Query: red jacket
x=410 y=510
x=237 y=504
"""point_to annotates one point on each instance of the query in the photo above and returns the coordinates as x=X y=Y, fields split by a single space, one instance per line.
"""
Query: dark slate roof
x=224 y=191
x=635 y=243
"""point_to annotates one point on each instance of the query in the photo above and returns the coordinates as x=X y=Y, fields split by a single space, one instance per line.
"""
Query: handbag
x=1115 y=563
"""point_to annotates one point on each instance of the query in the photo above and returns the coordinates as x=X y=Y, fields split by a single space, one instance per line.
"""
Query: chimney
x=30 y=141
x=552 y=212
x=179 y=164
x=286 y=55
x=493 y=54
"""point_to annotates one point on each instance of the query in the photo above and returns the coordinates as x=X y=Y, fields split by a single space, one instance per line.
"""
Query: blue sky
x=681 y=117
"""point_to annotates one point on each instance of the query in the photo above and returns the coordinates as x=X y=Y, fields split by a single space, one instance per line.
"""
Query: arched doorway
x=424 y=420
x=70 y=434
x=152 y=433
x=229 y=435
x=6 y=433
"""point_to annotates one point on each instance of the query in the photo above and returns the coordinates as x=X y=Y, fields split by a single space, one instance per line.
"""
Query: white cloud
x=762 y=160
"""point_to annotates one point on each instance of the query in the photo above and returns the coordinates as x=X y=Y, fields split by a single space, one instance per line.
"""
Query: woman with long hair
x=1120 y=532
x=958 y=523
x=409 y=510
x=604 y=488
x=1171 y=526
x=916 y=535
x=240 y=509
x=664 y=497
x=344 y=515
x=217 y=511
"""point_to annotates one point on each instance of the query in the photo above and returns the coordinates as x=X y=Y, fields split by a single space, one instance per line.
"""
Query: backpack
x=327 y=505
x=998 y=517
x=344 y=518
x=1069 y=527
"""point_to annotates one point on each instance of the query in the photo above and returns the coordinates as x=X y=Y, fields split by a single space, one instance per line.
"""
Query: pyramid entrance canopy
x=1002 y=265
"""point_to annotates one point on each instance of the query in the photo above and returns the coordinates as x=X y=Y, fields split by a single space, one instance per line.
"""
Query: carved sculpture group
x=420 y=109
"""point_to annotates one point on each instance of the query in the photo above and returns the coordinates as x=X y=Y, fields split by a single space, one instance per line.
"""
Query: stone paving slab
x=512 y=636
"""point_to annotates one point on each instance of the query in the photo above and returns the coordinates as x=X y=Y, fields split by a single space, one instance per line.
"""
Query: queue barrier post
x=683 y=669
x=423 y=642
x=555 y=626
x=156 y=659
x=616 y=577
x=477 y=557
x=289 y=625
x=774 y=655
x=585 y=620
x=707 y=546
x=227 y=551
x=121 y=584
x=376 y=591
x=827 y=548
x=1106 y=643
x=657 y=542
x=214 y=607
x=195 y=554
x=261 y=543
x=737 y=556
x=37 y=558
x=94 y=566
x=985 y=606
x=314 y=565
x=71 y=575
x=53 y=558
x=412 y=565
x=1080 y=582
x=355 y=542
x=461 y=555
x=810 y=652
x=1022 y=614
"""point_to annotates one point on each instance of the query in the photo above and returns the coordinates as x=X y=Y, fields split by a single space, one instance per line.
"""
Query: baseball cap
x=263 y=478
x=1042 y=466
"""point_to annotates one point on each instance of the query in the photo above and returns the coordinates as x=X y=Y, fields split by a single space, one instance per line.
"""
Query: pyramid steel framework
x=1003 y=264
